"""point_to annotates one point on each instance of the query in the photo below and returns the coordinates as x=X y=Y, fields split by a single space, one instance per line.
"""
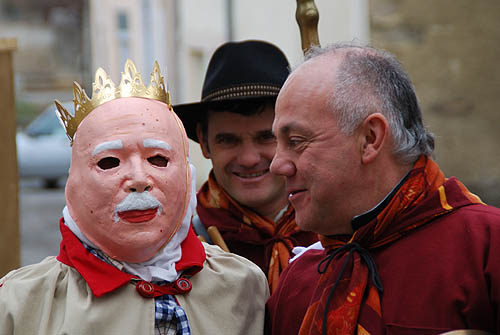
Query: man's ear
x=203 y=142
x=374 y=134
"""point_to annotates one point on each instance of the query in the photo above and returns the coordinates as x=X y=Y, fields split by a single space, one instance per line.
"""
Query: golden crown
x=104 y=90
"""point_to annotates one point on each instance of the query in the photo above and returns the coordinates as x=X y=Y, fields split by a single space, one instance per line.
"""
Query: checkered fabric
x=103 y=257
x=170 y=317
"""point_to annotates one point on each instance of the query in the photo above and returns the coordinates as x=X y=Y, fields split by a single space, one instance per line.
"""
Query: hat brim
x=192 y=113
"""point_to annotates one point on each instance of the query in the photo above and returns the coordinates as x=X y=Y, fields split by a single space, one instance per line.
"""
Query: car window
x=46 y=123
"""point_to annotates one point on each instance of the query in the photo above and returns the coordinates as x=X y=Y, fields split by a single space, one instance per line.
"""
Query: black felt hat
x=237 y=71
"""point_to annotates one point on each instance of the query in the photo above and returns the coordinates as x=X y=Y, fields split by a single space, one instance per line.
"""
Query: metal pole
x=307 y=17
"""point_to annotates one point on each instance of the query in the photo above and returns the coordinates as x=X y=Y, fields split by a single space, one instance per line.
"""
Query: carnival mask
x=129 y=183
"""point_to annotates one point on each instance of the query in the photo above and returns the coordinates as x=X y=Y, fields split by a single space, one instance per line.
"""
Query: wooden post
x=10 y=255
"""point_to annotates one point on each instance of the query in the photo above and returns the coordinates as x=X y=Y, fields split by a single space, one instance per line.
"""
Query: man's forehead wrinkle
x=108 y=145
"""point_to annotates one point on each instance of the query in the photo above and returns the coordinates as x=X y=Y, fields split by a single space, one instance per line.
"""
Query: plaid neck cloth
x=170 y=317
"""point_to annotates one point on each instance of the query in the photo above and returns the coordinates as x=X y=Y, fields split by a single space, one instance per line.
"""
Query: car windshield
x=45 y=124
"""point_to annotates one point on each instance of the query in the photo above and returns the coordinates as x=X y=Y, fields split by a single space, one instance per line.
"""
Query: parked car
x=43 y=149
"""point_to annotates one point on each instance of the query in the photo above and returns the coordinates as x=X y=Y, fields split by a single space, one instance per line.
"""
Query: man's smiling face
x=129 y=182
x=241 y=148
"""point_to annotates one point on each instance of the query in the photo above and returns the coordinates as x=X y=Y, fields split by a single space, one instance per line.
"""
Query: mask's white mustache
x=137 y=201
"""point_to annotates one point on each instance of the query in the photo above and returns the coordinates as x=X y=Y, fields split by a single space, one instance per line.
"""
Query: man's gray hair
x=370 y=81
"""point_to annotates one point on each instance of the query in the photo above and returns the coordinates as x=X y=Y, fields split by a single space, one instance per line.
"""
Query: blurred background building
x=60 y=41
x=450 y=47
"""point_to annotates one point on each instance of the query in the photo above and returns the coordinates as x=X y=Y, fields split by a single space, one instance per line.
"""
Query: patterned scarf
x=249 y=227
x=344 y=291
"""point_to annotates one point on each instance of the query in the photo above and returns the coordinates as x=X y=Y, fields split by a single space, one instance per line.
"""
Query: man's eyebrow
x=110 y=145
x=287 y=128
x=152 y=143
x=225 y=134
x=265 y=132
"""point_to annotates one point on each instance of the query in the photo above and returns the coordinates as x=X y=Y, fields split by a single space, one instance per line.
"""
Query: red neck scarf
x=103 y=278
x=344 y=284
x=249 y=226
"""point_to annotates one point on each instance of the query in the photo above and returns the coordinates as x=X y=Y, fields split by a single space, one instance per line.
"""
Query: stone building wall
x=451 y=48
x=49 y=54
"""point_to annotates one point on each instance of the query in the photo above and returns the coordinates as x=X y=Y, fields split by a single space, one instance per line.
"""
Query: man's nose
x=248 y=155
x=282 y=166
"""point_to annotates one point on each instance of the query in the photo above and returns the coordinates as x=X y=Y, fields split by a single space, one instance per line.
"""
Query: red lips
x=137 y=216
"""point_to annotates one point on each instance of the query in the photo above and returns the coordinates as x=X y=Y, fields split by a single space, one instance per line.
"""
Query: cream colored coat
x=228 y=297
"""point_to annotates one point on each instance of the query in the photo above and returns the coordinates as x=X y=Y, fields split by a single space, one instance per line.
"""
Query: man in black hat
x=232 y=123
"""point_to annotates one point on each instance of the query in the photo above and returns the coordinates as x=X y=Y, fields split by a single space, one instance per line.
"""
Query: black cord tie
x=365 y=255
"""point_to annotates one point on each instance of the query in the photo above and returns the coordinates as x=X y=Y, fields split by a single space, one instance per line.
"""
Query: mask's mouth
x=137 y=207
x=138 y=216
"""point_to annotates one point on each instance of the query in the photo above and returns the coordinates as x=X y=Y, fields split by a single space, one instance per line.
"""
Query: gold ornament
x=104 y=90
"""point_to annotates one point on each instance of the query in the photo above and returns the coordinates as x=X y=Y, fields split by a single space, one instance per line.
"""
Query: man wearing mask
x=232 y=123
x=129 y=261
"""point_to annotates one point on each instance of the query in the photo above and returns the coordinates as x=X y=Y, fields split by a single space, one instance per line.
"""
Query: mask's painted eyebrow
x=152 y=143
x=110 y=145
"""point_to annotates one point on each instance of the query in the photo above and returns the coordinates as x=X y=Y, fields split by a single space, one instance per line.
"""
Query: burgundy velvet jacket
x=443 y=276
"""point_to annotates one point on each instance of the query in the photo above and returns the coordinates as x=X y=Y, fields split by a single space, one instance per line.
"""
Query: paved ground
x=40 y=210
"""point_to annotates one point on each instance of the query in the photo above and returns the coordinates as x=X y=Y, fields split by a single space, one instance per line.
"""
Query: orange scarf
x=344 y=289
x=246 y=222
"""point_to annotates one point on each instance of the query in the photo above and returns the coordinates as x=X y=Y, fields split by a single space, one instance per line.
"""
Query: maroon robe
x=255 y=246
x=442 y=276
